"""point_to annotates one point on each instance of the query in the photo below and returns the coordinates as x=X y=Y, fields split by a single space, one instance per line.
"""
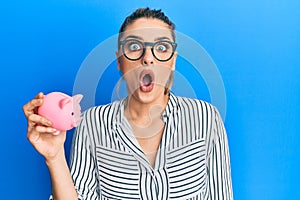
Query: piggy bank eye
x=72 y=113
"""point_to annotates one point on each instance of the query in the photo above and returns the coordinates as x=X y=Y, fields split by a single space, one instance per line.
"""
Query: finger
x=43 y=129
x=39 y=95
x=31 y=125
x=33 y=136
x=37 y=119
x=31 y=105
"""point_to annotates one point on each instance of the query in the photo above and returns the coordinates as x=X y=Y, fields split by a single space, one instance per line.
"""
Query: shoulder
x=195 y=106
x=102 y=112
x=199 y=116
x=96 y=122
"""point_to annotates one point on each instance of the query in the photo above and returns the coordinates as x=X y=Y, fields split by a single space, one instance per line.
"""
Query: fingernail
x=56 y=133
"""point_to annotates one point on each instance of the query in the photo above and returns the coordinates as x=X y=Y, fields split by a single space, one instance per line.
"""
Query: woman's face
x=146 y=74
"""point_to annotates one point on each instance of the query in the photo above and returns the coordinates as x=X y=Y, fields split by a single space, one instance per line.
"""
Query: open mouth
x=146 y=80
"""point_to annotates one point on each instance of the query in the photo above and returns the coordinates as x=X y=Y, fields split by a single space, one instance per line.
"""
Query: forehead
x=148 y=29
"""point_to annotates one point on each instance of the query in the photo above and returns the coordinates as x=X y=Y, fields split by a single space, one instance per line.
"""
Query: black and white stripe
x=192 y=161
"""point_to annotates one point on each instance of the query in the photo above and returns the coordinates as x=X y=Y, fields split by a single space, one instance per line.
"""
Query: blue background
x=255 y=44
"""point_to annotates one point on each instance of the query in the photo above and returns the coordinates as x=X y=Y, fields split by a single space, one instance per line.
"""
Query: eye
x=162 y=46
x=133 y=46
x=72 y=113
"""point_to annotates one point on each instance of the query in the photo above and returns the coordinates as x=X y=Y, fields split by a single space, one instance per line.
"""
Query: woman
x=151 y=145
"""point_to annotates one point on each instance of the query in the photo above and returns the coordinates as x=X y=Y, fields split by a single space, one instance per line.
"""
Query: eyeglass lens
x=134 y=49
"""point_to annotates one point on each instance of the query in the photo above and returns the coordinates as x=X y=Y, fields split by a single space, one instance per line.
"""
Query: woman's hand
x=46 y=140
x=50 y=143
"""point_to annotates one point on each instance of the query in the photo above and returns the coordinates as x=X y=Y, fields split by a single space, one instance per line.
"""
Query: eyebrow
x=133 y=37
x=140 y=38
x=162 y=38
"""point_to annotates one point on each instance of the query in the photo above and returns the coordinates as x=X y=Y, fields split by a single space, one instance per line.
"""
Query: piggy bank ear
x=77 y=98
x=64 y=102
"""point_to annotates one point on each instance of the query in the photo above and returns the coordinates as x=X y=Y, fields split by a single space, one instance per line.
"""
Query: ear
x=77 y=98
x=118 y=59
x=64 y=102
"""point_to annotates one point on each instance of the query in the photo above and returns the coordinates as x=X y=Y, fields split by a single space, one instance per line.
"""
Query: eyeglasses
x=162 y=50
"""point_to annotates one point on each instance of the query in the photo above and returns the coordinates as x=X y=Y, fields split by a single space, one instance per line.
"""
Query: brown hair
x=146 y=13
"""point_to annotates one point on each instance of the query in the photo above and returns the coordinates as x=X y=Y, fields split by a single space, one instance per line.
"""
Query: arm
x=62 y=183
x=218 y=163
x=50 y=144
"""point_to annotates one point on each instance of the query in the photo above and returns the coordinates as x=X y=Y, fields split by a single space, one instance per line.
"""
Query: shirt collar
x=171 y=108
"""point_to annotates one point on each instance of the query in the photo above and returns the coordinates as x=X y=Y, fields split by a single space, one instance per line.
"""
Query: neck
x=143 y=113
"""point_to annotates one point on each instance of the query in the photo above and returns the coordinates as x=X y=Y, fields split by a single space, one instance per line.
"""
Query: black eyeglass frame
x=151 y=44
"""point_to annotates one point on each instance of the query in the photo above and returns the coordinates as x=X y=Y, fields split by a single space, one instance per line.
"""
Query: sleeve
x=83 y=165
x=218 y=162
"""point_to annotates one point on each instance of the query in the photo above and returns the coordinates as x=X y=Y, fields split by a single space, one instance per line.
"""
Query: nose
x=148 y=58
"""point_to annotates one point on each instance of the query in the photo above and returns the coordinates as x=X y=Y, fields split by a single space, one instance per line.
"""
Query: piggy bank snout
x=72 y=111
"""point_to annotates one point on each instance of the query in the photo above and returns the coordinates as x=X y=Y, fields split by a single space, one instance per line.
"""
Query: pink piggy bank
x=62 y=110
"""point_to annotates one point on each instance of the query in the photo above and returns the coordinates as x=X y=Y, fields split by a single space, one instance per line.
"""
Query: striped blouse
x=192 y=161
